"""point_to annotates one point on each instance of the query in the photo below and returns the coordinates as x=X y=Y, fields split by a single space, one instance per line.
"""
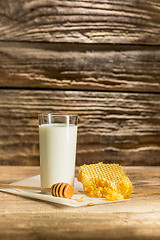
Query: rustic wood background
x=99 y=59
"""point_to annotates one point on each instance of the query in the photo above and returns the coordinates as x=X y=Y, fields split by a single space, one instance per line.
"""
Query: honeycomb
x=105 y=181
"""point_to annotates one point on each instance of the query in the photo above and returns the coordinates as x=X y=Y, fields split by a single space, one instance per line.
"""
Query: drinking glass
x=57 y=140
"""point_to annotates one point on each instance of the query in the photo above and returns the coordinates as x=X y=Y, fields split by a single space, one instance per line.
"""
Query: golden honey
x=105 y=181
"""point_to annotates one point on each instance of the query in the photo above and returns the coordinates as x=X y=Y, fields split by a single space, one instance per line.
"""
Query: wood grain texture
x=89 y=21
x=113 y=127
x=138 y=218
x=72 y=66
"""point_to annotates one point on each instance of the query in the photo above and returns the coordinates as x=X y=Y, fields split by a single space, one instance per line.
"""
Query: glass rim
x=57 y=115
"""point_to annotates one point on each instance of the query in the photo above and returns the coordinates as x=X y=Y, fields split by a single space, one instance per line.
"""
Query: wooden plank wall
x=99 y=59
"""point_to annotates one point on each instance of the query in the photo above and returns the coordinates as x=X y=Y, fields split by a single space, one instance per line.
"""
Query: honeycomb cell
x=105 y=181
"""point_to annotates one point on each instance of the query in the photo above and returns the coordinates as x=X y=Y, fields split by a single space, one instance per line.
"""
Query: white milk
x=57 y=153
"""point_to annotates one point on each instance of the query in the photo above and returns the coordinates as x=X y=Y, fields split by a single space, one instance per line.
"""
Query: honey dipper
x=63 y=190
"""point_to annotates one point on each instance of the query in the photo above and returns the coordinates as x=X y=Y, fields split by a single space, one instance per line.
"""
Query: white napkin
x=79 y=198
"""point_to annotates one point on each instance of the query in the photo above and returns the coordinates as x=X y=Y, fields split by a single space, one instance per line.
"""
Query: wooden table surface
x=139 y=218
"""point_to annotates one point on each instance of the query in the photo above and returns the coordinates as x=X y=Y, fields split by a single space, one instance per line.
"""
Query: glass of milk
x=57 y=140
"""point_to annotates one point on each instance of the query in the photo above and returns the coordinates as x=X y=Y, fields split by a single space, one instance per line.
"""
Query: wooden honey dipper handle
x=64 y=190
